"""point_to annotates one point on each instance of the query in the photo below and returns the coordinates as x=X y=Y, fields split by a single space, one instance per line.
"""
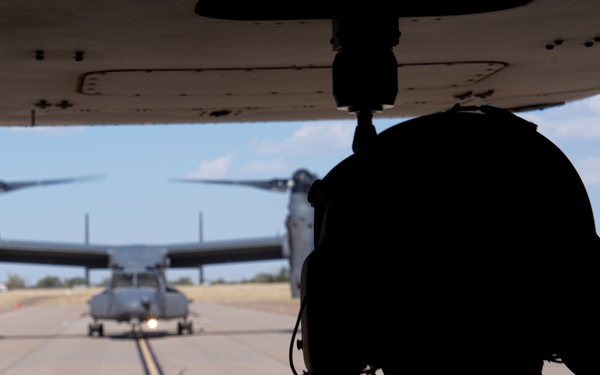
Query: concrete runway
x=227 y=340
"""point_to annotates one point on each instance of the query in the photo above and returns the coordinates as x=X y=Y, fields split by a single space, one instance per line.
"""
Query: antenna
x=200 y=239
x=87 y=229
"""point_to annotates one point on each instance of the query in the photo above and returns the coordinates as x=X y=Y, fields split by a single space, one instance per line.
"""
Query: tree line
x=14 y=281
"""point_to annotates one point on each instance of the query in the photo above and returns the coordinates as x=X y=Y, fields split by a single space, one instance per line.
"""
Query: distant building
x=3 y=287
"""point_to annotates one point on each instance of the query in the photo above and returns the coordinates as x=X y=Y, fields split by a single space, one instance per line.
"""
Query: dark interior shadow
x=460 y=240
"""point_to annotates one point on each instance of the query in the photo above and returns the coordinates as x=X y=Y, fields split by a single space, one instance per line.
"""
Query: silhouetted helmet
x=440 y=243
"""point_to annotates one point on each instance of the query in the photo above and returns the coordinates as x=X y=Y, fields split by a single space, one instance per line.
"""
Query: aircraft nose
x=134 y=305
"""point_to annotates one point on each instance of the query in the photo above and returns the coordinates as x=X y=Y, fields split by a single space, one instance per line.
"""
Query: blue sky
x=135 y=201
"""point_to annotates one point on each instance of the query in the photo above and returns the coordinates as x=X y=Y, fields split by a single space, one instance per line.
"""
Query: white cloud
x=312 y=139
x=589 y=170
x=575 y=128
x=593 y=103
x=274 y=157
x=577 y=120
x=212 y=169
x=277 y=165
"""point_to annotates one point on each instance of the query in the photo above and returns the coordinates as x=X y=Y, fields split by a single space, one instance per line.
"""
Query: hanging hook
x=365 y=132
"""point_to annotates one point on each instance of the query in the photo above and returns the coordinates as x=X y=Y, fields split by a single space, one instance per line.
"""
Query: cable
x=291 y=360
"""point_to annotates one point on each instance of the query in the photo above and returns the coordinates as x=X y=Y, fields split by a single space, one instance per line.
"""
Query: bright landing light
x=152 y=323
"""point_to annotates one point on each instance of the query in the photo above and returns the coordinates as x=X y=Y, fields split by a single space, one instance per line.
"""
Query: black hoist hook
x=365 y=132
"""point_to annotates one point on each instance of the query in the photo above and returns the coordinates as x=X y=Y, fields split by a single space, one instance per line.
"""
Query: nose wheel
x=184 y=326
x=97 y=328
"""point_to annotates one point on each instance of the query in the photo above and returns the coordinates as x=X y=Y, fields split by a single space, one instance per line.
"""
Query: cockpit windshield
x=135 y=279
x=147 y=279
x=122 y=280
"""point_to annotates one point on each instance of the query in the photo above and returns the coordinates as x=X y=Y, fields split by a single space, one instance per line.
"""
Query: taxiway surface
x=227 y=339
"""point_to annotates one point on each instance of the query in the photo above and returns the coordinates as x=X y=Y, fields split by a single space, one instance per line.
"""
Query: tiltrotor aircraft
x=299 y=222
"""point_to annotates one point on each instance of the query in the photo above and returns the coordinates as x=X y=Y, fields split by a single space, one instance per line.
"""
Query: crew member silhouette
x=459 y=242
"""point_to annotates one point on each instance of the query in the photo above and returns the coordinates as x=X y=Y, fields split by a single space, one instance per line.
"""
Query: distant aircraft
x=138 y=291
x=300 y=220
x=9 y=186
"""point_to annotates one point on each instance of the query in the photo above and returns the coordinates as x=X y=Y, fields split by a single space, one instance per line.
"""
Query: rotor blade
x=7 y=186
x=279 y=185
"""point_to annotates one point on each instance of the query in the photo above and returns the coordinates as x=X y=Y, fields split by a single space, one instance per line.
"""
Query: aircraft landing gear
x=184 y=326
x=136 y=327
x=96 y=327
